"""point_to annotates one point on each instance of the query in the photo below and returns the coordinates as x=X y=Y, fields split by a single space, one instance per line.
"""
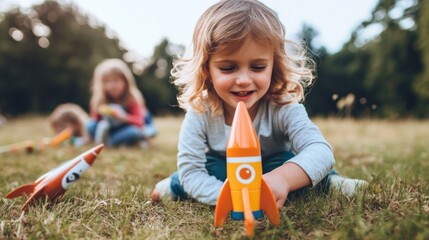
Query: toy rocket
x=245 y=193
x=29 y=146
x=26 y=146
x=60 y=137
x=54 y=183
x=107 y=110
x=111 y=110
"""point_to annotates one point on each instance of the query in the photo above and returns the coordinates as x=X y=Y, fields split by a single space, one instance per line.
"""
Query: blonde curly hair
x=223 y=28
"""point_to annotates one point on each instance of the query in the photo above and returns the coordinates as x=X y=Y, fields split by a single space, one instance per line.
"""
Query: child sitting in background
x=240 y=54
x=117 y=107
x=70 y=115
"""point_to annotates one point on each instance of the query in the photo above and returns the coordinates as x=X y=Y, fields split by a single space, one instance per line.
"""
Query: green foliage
x=387 y=75
x=421 y=85
x=159 y=92
x=54 y=60
x=47 y=55
x=394 y=65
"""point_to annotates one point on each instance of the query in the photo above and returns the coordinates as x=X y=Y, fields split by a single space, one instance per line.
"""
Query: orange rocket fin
x=248 y=215
x=268 y=204
x=223 y=205
x=32 y=197
x=24 y=189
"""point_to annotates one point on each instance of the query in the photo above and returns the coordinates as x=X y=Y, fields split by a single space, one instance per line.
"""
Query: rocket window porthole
x=245 y=173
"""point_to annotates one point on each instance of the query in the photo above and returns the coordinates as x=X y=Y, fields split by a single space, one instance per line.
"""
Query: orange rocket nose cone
x=243 y=140
x=98 y=148
x=92 y=154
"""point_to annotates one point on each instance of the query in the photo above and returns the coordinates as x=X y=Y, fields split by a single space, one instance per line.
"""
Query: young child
x=117 y=107
x=70 y=115
x=240 y=54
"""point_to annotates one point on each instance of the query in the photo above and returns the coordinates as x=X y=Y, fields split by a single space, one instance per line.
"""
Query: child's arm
x=94 y=114
x=191 y=161
x=314 y=157
x=135 y=115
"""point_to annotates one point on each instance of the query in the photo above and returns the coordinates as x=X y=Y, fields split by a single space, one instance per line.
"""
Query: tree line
x=47 y=56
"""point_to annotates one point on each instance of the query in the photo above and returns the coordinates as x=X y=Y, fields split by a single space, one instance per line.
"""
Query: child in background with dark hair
x=117 y=107
x=70 y=115
x=240 y=54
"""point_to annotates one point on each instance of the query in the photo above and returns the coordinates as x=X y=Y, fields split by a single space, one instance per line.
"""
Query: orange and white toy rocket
x=54 y=183
x=25 y=146
x=30 y=146
x=60 y=137
x=245 y=193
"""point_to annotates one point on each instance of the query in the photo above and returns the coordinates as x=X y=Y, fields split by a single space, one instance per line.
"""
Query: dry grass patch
x=111 y=201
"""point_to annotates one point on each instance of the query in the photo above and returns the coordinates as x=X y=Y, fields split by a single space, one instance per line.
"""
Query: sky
x=142 y=24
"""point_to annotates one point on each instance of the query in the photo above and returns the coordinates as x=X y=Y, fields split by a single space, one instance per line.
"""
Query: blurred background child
x=70 y=115
x=117 y=107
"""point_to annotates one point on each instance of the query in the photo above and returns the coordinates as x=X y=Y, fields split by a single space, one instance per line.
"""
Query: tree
x=47 y=56
x=318 y=97
x=395 y=59
x=382 y=71
x=159 y=92
x=421 y=85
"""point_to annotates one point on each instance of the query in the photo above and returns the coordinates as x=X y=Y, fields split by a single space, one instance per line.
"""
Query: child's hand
x=113 y=111
x=106 y=110
x=284 y=179
x=278 y=186
x=121 y=117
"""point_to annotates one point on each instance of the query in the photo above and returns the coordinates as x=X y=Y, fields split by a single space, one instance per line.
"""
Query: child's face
x=244 y=75
x=114 y=85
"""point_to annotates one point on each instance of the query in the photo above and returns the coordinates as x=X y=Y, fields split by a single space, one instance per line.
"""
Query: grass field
x=111 y=201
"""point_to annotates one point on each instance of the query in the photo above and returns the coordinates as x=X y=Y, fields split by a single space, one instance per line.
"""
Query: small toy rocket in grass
x=60 y=137
x=29 y=146
x=54 y=183
x=26 y=146
x=245 y=193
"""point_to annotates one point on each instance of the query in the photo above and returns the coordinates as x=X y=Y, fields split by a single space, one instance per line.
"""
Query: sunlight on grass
x=111 y=201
